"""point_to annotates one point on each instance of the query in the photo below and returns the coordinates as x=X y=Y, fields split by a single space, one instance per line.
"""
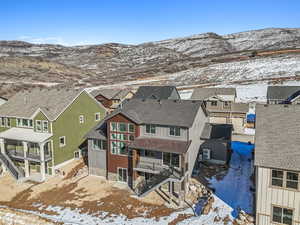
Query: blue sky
x=100 y=21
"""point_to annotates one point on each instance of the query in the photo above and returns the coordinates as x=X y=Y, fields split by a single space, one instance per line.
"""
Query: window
x=24 y=123
x=285 y=179
x=131 y=128
x=99 y=144
x=148 y=153
x=292 y=180
x=226 y=104
x=206 y=154
x=118 y=147
x=122 y=127
x=282 y=215
x=45 y=126
x=81 y=119
x=213 y=103
x=122 y=174
x=38 y=125
x=114 y=147
x=4 y=122
x=113 y=126
x=174 y=131
x=62 y=141
x=131 y=138
x=150 y=129
x=97 y=116
x=171 y=159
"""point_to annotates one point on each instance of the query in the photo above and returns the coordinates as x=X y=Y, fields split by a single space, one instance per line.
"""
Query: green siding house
x=41 y=129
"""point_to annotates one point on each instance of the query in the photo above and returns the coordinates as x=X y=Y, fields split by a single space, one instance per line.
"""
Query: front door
x=122 y=174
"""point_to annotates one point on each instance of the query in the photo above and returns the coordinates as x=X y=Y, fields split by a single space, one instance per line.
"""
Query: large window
x=282 y=215
x=122 y=127
x=38 y=125
x=150 y=129
x=99 y=144
x=174 y=131
x=122 y=174
x=24 y=123
x=171 y=159
x=285 y=179
x=4 y=122
x=118 y=147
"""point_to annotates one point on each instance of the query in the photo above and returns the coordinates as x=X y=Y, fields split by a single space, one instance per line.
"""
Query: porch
x=27 y=151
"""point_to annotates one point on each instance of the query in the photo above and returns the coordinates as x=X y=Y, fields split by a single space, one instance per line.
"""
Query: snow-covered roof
x=24 y=134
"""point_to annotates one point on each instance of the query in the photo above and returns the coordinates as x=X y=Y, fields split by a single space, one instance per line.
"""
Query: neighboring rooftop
x=281 y=92
x=165 y=112
x=111 y=93
x=234 y=108
x=277 y=138
x=216 y=131
x=205 y=93
x=157 y=92
x=51 y=101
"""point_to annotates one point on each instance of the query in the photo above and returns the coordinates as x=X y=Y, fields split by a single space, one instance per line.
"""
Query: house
x=157 y=92
x=111 y=98
x=41 y=129
x=221 y=106
x=277 y=162
x=216 y=147
x=2 y=100
x=283 y=95
x=148 y=144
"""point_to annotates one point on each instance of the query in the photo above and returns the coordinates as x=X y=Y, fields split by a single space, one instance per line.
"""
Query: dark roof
x=162 y=145
x=161 y=112
x=277 y=137
x=111 y=93
x=98 y=132
x=216 y=131
x=205 y=93
x=156 y=92
x=281 y=92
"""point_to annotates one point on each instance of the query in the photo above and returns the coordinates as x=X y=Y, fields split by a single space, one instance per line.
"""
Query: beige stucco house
x=222 y=108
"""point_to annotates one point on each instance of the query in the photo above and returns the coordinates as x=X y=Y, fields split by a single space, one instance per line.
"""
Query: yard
x=233 y=184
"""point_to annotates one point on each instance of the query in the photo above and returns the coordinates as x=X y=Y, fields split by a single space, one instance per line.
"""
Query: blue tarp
x=234 y=188
x=251 y=118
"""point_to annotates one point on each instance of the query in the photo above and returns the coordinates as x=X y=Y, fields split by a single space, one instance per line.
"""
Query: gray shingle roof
x=26 y=103
x=164 y=112
x=281 y=92
x=111 y=93
x=204 y=93
x=98 y=132
x=277 y=138
x=156 y=92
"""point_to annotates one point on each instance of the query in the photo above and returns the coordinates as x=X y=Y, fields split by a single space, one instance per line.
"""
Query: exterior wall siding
x=114 y=160
x=97 y=160
x=163 y=133
x=268 y=196
x=68 y=125
x=194 y=136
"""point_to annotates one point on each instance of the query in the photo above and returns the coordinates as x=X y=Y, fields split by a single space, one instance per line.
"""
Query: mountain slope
x=195 y=59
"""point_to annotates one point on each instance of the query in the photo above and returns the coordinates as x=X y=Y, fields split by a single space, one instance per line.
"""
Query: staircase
x=16 y=172
x=156 y=181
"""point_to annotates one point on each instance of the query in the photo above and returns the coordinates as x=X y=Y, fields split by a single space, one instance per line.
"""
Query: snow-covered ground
x=234 y=188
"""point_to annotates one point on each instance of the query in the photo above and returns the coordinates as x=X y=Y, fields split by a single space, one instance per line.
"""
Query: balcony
x=149 y=165
x=33 y=156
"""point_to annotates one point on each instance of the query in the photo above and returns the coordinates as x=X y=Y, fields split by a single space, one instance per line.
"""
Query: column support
x=26 y=161
x=43 y=166
x=2 y=149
